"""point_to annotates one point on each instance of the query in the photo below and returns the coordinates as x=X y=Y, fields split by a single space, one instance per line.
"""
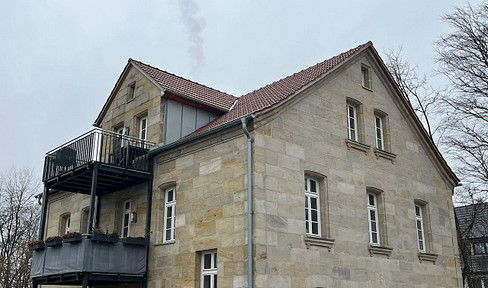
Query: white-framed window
x=209 y=269
x=65 y=224
x=380 y=139
x=366 y=77
x=352 y=122
x=143 y=128
x=126 y=218
x=374 y=235
x=419 y=224
x=312 y=207
x=169 y=214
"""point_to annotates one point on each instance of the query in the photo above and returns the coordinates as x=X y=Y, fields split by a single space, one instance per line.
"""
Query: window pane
x=419 y=225
x=351 y=123
x=417 y=210
x=371 y=199
x=375 y=237
x=373 y=215
x=206 y=281
x=313 y=186
x=170 y=196
x=420 y=235
x=313 y=203
x=315 y=228
x=215 y=281
x=314 y=215
x=207 y=261
x=373 y=226
x=421 y=245
x=215 y=260
x=127 y=205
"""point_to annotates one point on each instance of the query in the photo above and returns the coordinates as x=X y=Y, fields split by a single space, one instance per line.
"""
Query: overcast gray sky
x=59 y=60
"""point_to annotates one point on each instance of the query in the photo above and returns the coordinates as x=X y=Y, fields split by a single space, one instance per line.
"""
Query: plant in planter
x=99 y=236
x=36 y=245
x=53 y=241
x=113 y=237
x=71 y=237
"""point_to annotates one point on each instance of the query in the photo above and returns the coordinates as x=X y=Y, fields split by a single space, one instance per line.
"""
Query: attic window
x=131 y=91
x=366 y=77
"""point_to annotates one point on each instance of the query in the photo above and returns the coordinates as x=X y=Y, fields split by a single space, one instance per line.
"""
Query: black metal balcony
x=122 y=161
x=89 y=262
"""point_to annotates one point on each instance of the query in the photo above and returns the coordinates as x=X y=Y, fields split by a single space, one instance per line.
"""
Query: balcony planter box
x=54 y=241
x=113 y=238
x=108 y=238
x=134 y=241
x=36 y=246
x=99 y=237
x=72 y=239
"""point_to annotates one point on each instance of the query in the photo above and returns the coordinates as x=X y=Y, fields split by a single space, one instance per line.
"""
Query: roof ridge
x=350 y=51
x=183 y=78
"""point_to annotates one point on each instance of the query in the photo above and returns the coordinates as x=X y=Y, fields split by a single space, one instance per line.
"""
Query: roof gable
x=282 y=89
x=175 y=85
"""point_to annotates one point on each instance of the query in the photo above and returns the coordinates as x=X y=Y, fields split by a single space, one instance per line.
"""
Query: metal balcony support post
x=92 y=199
x=85 y=281
x=148 y=213
x=42 y=225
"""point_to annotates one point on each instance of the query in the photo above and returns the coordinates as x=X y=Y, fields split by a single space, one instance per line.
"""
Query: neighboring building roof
x=473 y=220
x=473 y=223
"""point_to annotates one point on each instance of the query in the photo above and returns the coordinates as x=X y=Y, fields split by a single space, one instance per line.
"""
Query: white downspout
x=244 y=121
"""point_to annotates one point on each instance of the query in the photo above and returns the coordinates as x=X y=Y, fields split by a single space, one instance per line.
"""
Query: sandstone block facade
x=304 y=137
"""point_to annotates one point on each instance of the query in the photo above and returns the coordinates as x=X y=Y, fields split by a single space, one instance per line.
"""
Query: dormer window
x=366 y=77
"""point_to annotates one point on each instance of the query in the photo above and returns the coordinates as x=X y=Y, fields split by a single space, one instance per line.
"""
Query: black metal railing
x=98 y=146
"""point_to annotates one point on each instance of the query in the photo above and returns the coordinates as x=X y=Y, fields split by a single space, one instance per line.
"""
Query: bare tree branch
x=19 y=217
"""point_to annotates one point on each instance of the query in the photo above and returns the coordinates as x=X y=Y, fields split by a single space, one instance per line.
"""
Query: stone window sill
x=165 y=243
x=367 y=88
x=357 y=145
x=380 y=250
x=384 y=154
x=319 y=242
x=429 y=257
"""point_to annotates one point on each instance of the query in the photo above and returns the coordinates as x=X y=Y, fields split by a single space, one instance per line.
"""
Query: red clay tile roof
x=275 y=92
x=192 y=90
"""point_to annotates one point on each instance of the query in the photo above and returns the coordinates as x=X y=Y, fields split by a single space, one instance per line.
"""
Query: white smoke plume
x=194 y=26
